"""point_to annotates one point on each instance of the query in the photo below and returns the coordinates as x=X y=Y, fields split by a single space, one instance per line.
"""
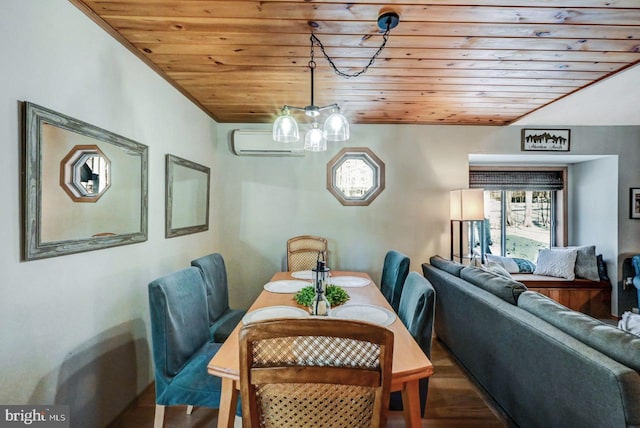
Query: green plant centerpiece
x=335 y=295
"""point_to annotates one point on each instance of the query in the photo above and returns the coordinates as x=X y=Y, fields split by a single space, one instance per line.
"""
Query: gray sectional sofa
x=543 y=364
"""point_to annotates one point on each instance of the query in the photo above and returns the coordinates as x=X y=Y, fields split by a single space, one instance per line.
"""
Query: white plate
x=271 y=312
x=302 y=274
x=349 y=281
x=368 y=313
x=286 y=286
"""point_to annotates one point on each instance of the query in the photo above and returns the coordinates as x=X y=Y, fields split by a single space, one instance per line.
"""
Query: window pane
x=494 y=213
x=528 y=223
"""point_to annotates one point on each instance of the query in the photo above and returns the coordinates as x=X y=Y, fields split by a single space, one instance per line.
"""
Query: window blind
x=516 y=180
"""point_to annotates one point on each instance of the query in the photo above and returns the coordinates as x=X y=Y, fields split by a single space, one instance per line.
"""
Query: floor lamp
x=467 y=208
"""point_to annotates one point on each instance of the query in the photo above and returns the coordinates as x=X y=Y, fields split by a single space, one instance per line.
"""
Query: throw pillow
x=602 y=269
x=508 y=264
x=497 y=269
x=524 y=265
x=512 y=264
x=557 y=262
x=586 y=263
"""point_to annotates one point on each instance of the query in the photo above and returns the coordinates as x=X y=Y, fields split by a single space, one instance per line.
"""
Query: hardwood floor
x=453 y=401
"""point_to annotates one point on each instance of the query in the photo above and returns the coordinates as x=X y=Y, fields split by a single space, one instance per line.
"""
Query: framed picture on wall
x=634 y=202
x=546 y=140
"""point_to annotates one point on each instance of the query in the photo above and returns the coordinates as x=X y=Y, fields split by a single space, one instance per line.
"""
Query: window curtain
x=516 y=180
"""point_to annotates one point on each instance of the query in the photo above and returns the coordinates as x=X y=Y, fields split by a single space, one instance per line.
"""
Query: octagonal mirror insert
x=355 y=176
x=85 y=173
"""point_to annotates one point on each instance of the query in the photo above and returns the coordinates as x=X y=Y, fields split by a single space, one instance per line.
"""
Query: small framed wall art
x=634 y=202
x=546 y=140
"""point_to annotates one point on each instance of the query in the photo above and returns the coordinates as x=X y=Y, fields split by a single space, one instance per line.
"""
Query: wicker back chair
x=315 y=373
x=302 y=252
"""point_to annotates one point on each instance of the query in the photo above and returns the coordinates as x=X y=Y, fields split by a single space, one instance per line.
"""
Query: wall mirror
x=67 y=163
x=85 y=173
x=355 y=176
x=187 y=197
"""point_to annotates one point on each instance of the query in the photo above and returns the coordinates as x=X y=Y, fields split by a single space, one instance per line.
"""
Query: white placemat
x=349 y=281
x=286 y=286
x=271 y=312
x=368 y=313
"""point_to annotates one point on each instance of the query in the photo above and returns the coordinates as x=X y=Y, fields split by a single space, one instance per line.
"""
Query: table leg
x=411 y=404
x=228 y=403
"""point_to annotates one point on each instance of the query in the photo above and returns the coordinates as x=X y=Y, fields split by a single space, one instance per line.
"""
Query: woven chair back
x=302 y=252
x=315 y=373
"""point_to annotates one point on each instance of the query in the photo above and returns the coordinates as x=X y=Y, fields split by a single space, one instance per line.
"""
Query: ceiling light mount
x=388 y=20
x=336 y=126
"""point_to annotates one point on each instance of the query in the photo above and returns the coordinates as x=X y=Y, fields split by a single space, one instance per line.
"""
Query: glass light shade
x=285 y=129
x=314 y=140
x=467 y=204
x=336 y=127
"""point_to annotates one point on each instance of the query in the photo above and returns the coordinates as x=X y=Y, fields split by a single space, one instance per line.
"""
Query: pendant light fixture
x=335 y=126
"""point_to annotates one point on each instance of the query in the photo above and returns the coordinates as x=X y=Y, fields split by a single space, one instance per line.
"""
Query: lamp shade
x=336 y=127
x=314 y=139
x=285 y=129
x=467 y=204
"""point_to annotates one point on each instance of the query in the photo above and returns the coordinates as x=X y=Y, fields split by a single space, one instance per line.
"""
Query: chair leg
x=189 y=409
x=158 y=421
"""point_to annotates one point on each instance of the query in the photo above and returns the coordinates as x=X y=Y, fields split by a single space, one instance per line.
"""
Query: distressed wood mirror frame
x=53 y=223
x=360 y=194
x=186 y=197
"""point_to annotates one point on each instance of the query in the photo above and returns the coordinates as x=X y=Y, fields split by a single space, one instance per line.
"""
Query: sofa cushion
x=449 y=266
x=615 y=343
x=504 y=288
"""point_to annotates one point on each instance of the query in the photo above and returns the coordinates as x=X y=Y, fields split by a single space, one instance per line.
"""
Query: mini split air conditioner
x=260 y=143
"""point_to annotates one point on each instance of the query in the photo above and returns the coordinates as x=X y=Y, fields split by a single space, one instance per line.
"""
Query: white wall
x=71 y=340
x=594 y=208
x=75 y=328
x=262 y=201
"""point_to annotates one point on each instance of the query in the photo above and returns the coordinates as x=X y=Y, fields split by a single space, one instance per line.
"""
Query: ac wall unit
x=260 y=143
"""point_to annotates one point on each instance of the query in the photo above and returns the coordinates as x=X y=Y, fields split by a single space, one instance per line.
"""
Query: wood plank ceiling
x=484 y=62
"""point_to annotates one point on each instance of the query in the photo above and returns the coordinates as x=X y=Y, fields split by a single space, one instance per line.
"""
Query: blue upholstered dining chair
x=635 y=261
x=417 y=311
x=222 y=319
x=394 y=271
x=181 y=346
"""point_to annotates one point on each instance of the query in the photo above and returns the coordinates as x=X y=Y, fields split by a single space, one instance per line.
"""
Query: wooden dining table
x=409 y=362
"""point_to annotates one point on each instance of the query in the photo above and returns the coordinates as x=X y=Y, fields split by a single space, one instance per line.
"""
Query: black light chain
x=317 y=41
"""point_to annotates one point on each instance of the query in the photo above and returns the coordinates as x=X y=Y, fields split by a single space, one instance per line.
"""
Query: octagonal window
x=355 y=176
x=85 y=173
